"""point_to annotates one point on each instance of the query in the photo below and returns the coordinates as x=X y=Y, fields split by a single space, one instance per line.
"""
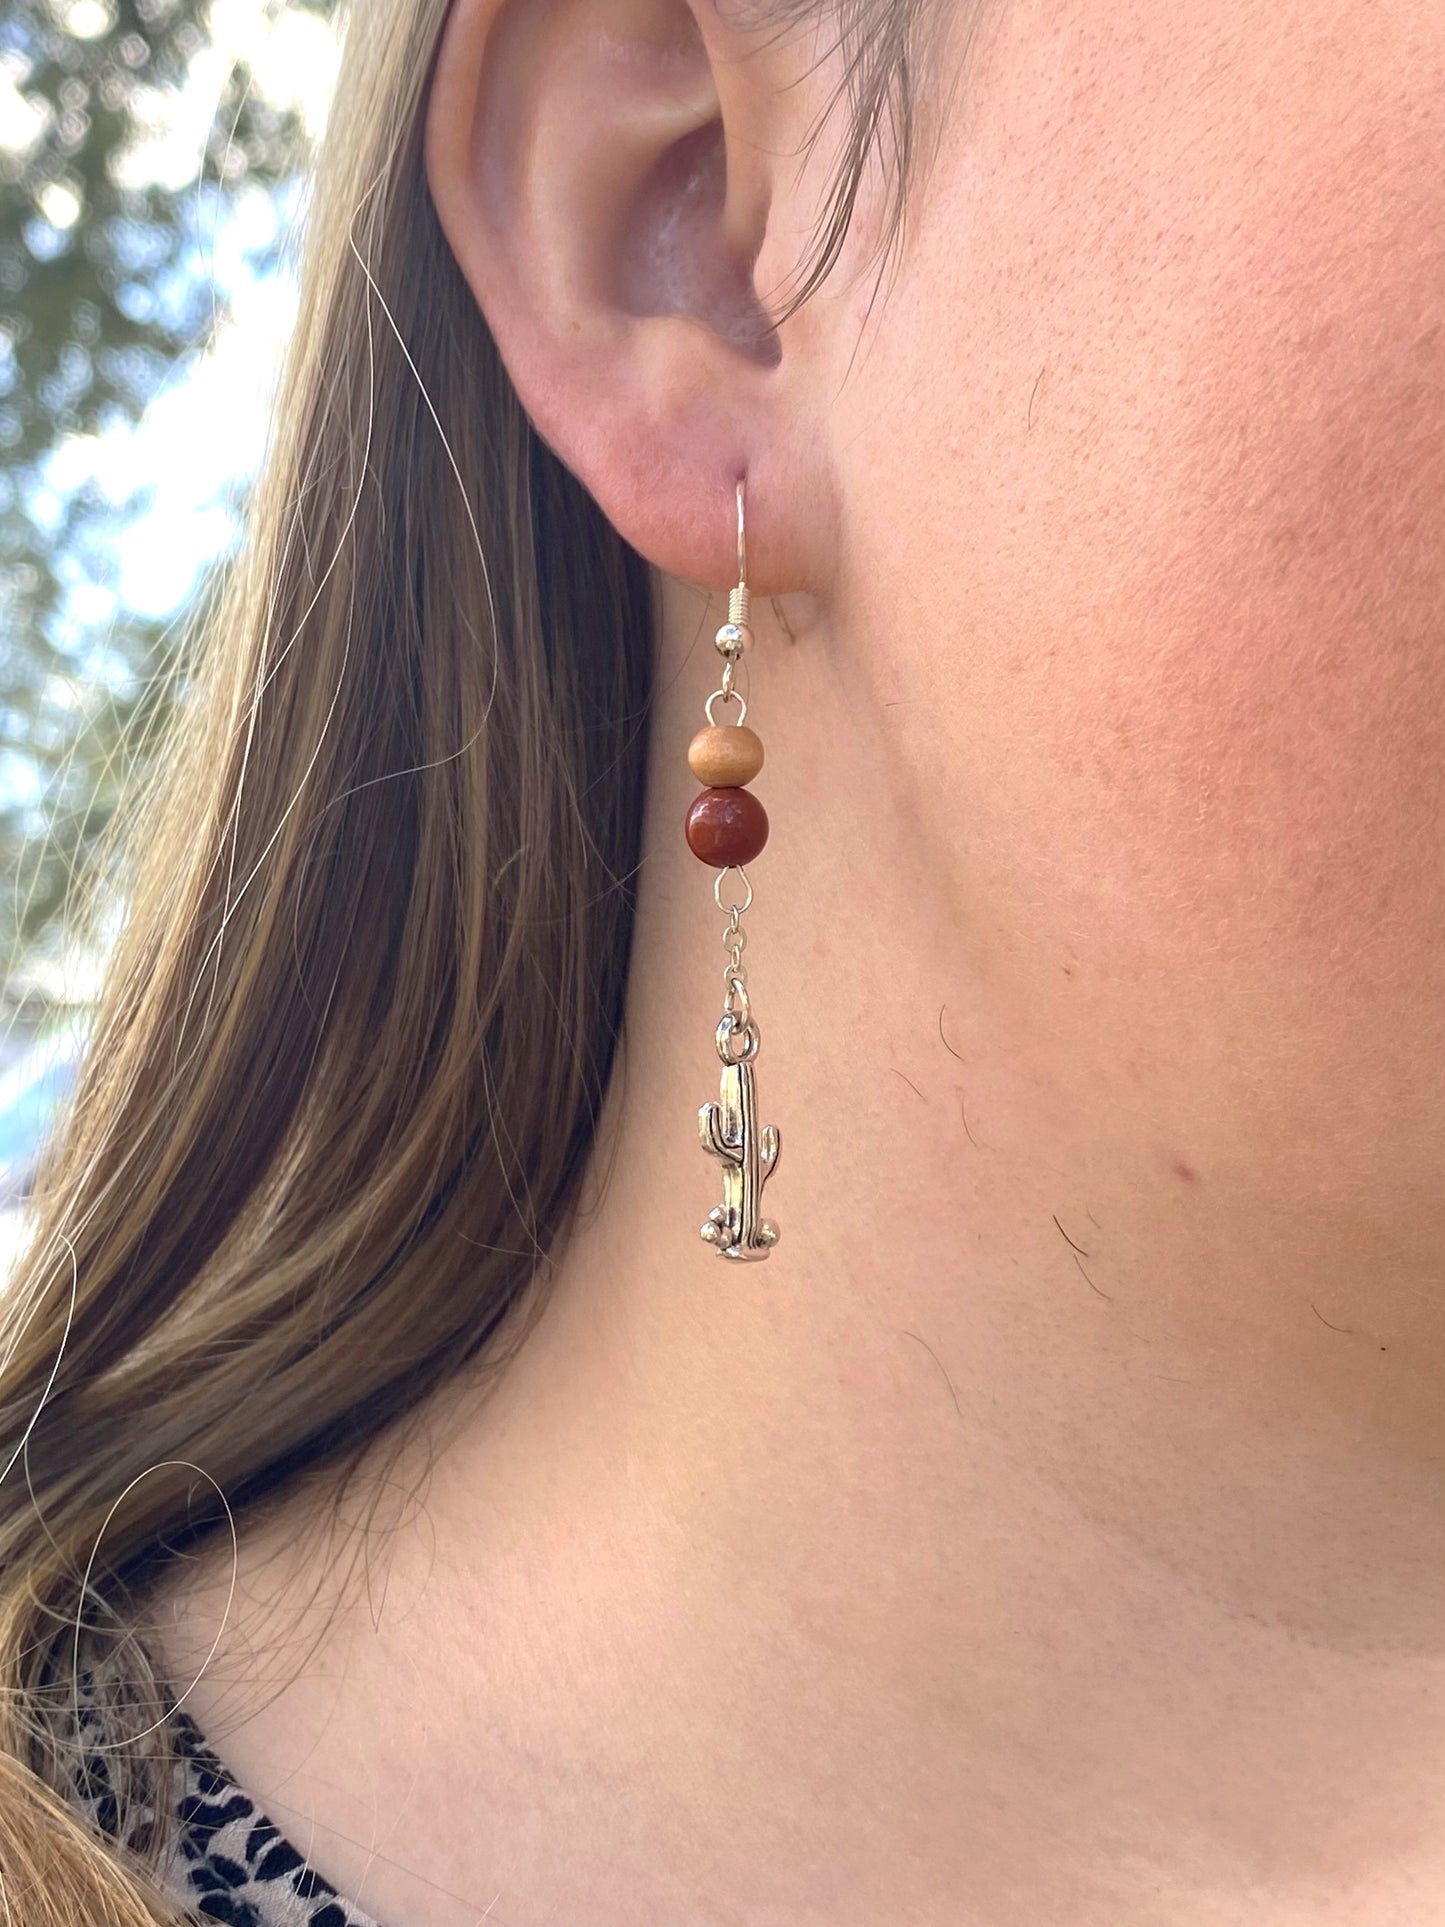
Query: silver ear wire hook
x=740 y=602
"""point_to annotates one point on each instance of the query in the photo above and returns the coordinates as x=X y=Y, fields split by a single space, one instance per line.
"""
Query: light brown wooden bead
x=725 y=755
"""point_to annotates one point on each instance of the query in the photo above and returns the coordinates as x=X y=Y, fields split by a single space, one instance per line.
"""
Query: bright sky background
x=171 y=477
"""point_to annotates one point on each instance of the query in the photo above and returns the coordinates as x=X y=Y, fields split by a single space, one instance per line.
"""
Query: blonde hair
x=358 y=1028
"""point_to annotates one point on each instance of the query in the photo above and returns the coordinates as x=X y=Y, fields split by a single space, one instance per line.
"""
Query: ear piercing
x=727 y=827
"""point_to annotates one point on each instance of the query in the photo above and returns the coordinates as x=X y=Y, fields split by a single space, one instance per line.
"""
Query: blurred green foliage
x=106 y=288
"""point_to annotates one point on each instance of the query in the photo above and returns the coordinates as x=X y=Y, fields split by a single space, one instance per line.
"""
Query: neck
x=1048 y=1530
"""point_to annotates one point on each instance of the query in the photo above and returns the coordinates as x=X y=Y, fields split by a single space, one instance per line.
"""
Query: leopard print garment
x=229 y=1863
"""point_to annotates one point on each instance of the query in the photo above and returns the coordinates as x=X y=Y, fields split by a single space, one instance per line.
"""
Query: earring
x=727 y=827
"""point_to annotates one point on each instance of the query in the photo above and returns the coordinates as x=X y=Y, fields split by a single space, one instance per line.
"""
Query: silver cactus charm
x=730 y=1132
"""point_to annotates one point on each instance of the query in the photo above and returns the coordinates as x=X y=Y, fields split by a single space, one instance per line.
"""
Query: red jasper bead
x=726 y=827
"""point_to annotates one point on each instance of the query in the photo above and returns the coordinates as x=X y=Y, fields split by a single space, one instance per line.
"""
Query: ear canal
x=675 y=256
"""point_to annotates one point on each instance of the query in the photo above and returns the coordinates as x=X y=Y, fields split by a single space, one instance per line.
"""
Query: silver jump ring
x=727 y=696
x=728 y=908
x=728 y=1032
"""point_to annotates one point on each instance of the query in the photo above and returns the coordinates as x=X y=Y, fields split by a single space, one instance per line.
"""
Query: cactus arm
x=712 y=1134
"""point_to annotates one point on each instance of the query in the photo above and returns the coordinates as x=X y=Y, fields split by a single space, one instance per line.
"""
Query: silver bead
x=731 y=640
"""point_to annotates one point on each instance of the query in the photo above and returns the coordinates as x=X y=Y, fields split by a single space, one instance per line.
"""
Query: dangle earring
x=727 y=827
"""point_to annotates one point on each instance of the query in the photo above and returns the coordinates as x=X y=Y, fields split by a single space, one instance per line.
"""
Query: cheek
x=1147 y=465
x=1163 y=458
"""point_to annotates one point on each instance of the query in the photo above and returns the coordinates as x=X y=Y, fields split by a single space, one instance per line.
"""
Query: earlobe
x=603 y=171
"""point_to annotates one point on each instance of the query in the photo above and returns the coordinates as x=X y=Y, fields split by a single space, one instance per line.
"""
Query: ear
x=609 y=175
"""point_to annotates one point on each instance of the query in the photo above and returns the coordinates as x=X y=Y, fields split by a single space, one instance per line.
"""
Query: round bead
x=725 y=755
x=726 y=827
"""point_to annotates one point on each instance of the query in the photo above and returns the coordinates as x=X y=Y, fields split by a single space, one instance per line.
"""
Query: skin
x=1051 y=1532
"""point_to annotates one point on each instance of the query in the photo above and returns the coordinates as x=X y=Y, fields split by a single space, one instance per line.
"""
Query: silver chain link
x=737 y=1006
